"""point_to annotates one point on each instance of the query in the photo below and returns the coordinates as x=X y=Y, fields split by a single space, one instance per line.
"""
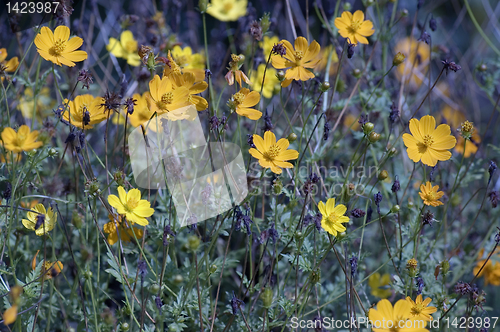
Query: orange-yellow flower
x=167 y=99
x=52 y=269
x=58 y=48
x=125 y=48
x=354 y=27
x=428 y=143
x=227 y=10
x=141 y=113
x=297 y=60
x=119 y=227
x=490 y=271
x=187 y=80
x=85 y=111
x=243 y=101
x=11 y=65
x=430 y=195
x=417 y=60
x=420 y=308
x=398 y=318
x=23 y=140
x=272 y=154
x=470 y=147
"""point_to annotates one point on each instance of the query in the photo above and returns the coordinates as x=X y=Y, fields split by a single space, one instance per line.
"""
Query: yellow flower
x=470 y=147
x=166 y=99
x=125 y=48
x=130 y=204
x=42 y=221
x=125 y=230
x=52 y=269
x=388 y=319
x=272 y=154
x=428 y=143
x=190 y=62
x=243 y=100
x=267 y=45
x=430 y=195
x=58 y=48
x=417 y=58
x=80 y=106
x=377 y=283
x=23 y=140
x=351 y=121
x=420 y=308
x=171 y=69
x=44 y=104
x=141 y=113
x=297 y=60
x=491 y=271
x=333 y=216
x=227 y=10
x=10 y=65
x=187 y=80
x=354 y=27
x=10 y=315
x=271 y=83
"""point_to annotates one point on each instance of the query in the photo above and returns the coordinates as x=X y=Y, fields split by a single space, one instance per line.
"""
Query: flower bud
x=325 y=86
x=383 y=175
x=368 y=128
x=277 y=186
x=445 y=266
x=340 y=86
x=373 y=137
x=213 y=268
x=412 y=267
x=267 y=297
x=124 y=327
x=298 y=235
x=178 y=279
x=467 y=128
x=202 y=6
x=395 y=208
x=88 y=274
x=347 y=6
x=392 y=152
x=193 y=242
x=315 y=276
x=356 y=73
x=292 y=137
x=52 y=152
x=154 y=288
x=482 y=67
x=265 y=22
x=404 y=12
x=398 y=59
x=280 y=75
x=411 y=205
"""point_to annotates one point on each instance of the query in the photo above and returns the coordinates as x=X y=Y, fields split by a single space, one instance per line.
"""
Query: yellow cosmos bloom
x=354 y=27
x=297 y=60
x=272 y=154
x=227 y=10
x=23 y=140
x=80 y=106
x=52 y=269
x=491 y=271
x=267 y=45
x=190 y=62
x=130 y=204
x=44 y=104
x=377 y=282
x=428 y=143
x=10 y=65
x=125 y=48
x=172 y=68
x=430 y=195
x=333 y=216
x=187 y=80
x=167 y=100
x=420 y=308
x=243 y=100
x=414 y=68
x=351 y=121
x=142 y=112
x=271 y=84
x=385 y=318
x=118 y=226
x=42 y=221
x=58 y=48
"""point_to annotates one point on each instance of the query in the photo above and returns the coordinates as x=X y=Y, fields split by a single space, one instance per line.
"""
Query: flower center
x=332 y=218
x=238 y=98
x=417 y=309
x=20 y=139
x=165 y=100
x=428 y=140
x=227 y=7
x=182 y=60
x=58 y=48
x=131 y=46
x=131 y=204
x=354 y=27
x=81 y=110
x=272 y=153
x=299 y=55
x=431 y=196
